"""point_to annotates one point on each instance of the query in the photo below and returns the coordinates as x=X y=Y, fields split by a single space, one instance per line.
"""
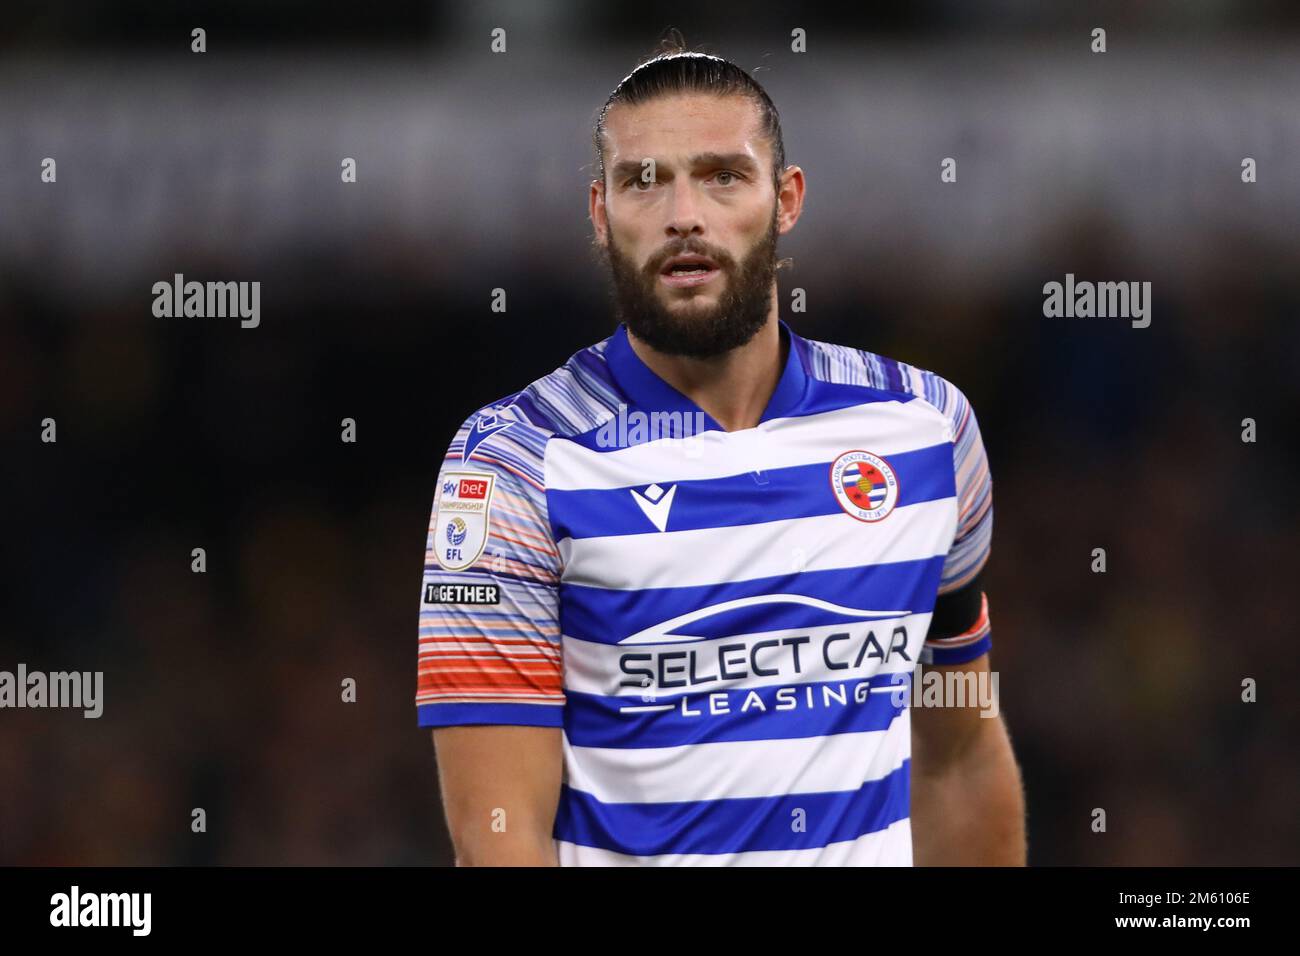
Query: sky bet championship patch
x=461 y=521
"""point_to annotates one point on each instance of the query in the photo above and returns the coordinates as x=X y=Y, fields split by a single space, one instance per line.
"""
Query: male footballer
x=674 y=589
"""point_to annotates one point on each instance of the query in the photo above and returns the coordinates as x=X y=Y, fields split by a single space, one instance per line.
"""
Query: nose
x=684 y=218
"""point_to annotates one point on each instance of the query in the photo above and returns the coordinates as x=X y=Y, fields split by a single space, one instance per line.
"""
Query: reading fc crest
x=864 y=485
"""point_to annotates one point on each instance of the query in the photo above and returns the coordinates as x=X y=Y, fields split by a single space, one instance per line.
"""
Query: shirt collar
x=647 y=391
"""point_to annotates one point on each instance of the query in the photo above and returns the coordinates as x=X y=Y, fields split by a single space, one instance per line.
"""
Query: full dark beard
x=695 y=331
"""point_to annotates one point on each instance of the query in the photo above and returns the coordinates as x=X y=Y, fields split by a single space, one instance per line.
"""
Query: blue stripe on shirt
x=608 y=615
x=593 y=720
x=734 y=825
x=798 y=491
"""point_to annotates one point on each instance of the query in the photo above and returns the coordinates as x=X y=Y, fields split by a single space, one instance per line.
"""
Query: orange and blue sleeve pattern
x=959 y=631
x=489 y=640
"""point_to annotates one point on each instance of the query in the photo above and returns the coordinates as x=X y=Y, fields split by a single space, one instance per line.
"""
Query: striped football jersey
x=719 y=622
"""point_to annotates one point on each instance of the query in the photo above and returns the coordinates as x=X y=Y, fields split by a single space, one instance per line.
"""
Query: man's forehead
x=683 y=125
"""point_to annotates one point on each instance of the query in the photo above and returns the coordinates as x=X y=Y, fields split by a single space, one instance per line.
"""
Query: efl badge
x=460 y=521
x=864 y=485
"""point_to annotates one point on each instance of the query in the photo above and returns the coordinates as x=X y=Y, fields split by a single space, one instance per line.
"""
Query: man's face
x=711 y=195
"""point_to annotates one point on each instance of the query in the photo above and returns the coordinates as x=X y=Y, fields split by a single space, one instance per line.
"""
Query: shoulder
x=576 y=397
x=844 y=365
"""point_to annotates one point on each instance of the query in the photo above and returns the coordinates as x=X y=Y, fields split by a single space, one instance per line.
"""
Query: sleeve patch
x=460 y=520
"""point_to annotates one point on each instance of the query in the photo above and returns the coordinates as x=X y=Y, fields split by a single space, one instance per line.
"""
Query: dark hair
x=674 y=69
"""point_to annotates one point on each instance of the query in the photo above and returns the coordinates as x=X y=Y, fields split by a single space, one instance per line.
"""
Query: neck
x=734 y=388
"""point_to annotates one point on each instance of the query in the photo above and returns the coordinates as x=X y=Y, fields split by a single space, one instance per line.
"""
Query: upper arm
x=490 y=676
x=959 y=630
x=960 y=635
x=941 y=735
x=500 y=788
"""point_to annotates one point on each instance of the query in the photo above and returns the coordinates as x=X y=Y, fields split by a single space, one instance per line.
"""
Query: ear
x=790 y=198
x=596 y=209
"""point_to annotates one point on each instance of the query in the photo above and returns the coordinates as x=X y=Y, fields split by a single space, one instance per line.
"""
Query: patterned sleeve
x=959 y=631
x=489 y=646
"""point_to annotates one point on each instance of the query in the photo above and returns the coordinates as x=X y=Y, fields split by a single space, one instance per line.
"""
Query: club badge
x=864 y=484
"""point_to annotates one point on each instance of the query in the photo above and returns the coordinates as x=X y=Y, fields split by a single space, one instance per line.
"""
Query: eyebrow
x=632 y=167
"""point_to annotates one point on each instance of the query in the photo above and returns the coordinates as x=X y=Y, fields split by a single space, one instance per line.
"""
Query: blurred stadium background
x=1121 y=690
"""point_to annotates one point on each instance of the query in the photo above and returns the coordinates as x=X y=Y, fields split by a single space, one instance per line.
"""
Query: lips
x=685 y=271
x=686 y=263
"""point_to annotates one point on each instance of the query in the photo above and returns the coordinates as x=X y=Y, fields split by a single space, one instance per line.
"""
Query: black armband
x=958 y=611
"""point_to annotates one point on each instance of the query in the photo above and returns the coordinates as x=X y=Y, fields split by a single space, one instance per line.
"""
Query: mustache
x=656 y=262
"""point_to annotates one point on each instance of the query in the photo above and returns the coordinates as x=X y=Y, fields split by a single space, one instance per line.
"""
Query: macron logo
x=483 y=428
x=655 y=502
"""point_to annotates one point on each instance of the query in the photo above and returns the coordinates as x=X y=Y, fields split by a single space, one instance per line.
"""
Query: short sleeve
x=489 y=646
x=959 y=630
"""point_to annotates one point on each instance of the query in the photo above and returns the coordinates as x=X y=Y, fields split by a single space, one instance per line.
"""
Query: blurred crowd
x=1122 y=690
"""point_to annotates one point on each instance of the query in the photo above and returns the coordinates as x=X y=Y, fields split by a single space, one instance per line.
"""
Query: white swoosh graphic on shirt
x=668 y=631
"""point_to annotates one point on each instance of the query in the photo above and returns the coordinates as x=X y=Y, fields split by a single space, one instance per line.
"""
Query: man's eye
x=637 y=182
x=731 y=177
